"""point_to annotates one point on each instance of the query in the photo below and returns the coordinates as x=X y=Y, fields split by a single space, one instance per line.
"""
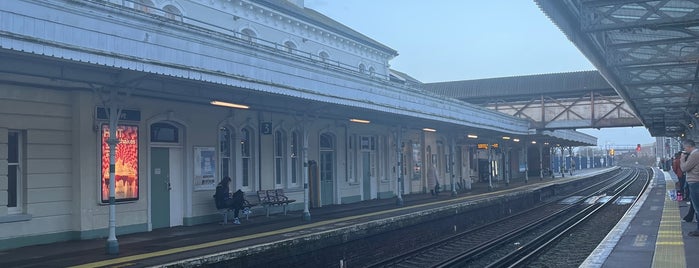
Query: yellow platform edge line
x=125 y=259
x=669 y=247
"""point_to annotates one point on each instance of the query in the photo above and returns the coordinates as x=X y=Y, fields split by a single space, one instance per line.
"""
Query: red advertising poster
x=126 y=164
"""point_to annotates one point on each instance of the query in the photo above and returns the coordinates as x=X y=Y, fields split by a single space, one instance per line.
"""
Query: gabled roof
x=313 y=17
x=404 y=78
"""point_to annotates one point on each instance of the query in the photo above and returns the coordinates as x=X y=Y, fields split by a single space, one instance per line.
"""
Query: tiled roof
x=316 y=18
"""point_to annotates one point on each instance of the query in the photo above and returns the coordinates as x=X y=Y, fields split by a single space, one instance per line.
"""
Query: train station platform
x=207 y=243
x=652 y=233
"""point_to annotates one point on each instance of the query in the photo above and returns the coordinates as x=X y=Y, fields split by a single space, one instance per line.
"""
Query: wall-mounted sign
x=485 y=146
x=125 y=115
x=266 y=128
x=204 y=168
x=126 y=164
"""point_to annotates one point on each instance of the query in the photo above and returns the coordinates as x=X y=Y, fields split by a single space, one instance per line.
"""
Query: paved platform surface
x=168 y=244
x=652 y=234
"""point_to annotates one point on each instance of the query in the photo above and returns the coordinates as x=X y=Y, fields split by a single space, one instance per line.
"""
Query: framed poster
x=126 y=164
x=204 y=168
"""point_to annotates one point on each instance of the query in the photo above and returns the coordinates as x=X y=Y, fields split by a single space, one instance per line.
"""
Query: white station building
x=268 y=92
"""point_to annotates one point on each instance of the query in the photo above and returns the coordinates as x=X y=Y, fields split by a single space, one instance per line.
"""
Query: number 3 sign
x=266 y=128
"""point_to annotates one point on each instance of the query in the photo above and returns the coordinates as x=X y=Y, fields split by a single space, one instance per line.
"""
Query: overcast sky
x=448 y=40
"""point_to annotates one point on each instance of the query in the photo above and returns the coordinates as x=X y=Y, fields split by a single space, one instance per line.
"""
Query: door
x=366 y=174
x=160 y=187
x=327 y=175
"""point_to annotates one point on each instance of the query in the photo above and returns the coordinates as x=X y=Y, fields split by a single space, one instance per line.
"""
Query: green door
x=327 y=175
x=160 y=187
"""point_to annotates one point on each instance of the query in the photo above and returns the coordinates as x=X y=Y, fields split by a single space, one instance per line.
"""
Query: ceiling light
x=516 y=140
x=360 y=121
x=533 y=142
x=429 y=129
x=228 y=104
x=471 y=136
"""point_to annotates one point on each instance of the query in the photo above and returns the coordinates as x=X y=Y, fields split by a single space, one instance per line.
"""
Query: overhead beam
x=620 y=15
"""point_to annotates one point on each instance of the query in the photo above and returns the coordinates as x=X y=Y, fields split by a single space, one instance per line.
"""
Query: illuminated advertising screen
x=126 y=166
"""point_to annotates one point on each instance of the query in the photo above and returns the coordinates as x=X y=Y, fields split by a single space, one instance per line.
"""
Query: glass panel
x=13 y=147
x=294 y=156
x=12 y=186
x=326 y=170
x=245 y=143
x=278 y=170
x=278 y=143
x=225 y=137
x=246 y=171
x=224 y=167
x=326 y=141
x=163 y=132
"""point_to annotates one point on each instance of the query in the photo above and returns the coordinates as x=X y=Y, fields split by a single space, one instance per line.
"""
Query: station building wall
x=60 y=162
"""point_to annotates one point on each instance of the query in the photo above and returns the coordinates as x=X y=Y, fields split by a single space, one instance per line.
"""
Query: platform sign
x=126 y=164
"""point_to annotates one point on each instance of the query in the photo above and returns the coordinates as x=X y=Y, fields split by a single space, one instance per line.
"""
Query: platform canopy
x=647 y=50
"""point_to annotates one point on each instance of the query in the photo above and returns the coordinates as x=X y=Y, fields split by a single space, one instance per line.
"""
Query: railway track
x=459 y=249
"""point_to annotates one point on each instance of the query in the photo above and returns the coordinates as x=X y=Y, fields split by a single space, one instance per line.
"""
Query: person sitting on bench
x=226 y=200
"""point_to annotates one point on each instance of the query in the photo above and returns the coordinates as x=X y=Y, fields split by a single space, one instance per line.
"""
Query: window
x=372 y=71
x=143 y=5
x=173 y=13
x=249 y=35
x=290 y=46
x=246 y=156
x=225 y=139
x=362 y=68
x=164 y=132
x=14 y=172
x=295 y=162
x=279 y=145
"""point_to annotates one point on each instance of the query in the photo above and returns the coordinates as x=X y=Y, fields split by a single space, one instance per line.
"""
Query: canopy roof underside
x=647 y=50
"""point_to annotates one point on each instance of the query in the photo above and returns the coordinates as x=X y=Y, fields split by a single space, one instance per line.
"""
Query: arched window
x=172 y=12
x=249 y=35
x=289 y=46
x=372 y=71
x=324 y=56
x=143 y=5
x=362 y=68
x=279 y=151
x=246 y=156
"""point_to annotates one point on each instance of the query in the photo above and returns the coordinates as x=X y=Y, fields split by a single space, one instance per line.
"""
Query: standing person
x=572 y=166
x=233 y=202
x=682 y=186
x=678 y=171
x=690 y=165
x=433 y=180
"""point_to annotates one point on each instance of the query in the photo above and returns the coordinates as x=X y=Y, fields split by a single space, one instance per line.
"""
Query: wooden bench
x=269 y=198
